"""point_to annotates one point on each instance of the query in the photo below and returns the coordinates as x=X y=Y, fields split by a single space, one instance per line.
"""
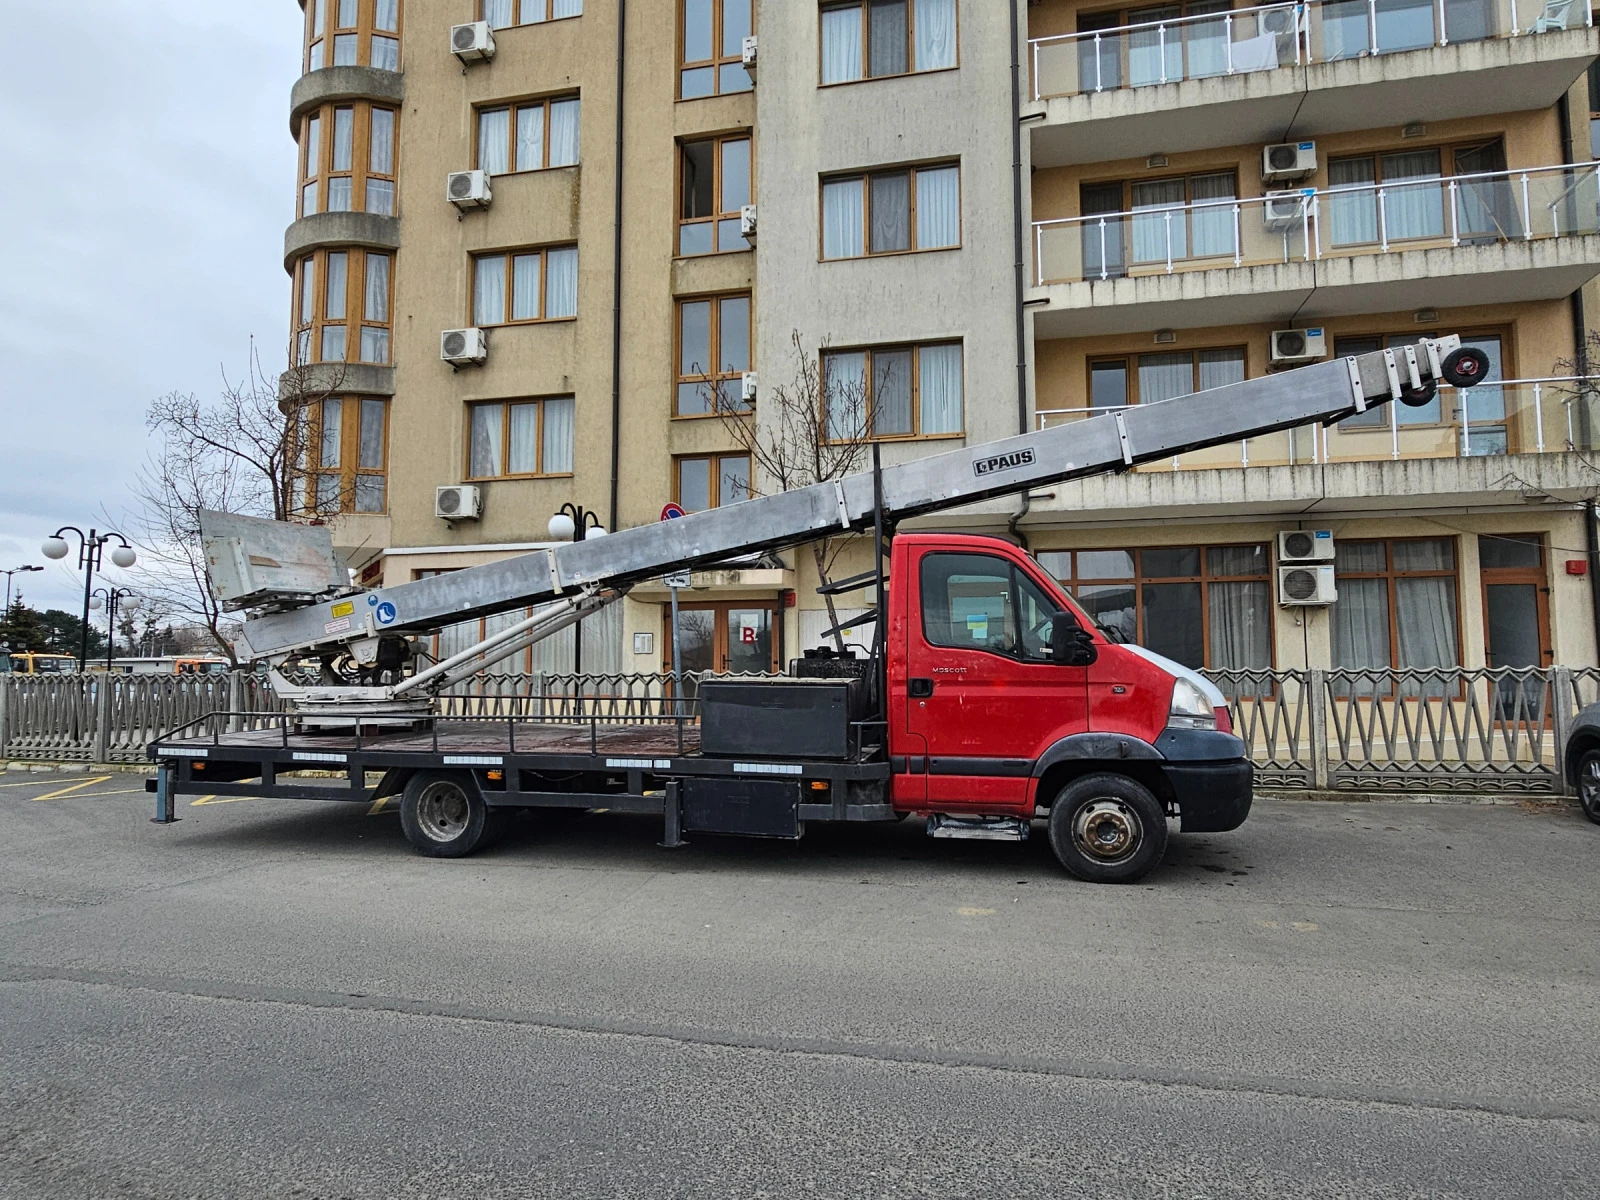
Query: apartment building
x=946 y=220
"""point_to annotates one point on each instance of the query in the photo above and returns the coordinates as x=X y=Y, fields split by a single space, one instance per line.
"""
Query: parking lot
x=276 y=998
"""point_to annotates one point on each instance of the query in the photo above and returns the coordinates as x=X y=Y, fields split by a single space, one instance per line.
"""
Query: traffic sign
x=671 y=512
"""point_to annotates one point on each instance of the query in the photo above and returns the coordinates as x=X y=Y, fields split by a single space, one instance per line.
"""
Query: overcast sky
x=146 y=177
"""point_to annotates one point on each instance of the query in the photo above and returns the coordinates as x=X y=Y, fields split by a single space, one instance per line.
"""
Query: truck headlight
x=1190 y=708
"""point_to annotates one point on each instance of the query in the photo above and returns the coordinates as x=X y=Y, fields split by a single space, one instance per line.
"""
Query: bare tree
x=813 y=428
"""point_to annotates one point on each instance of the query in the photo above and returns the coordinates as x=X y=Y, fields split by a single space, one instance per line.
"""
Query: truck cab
x=1005 y=701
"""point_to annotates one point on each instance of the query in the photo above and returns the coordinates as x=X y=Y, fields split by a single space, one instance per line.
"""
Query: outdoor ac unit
x=462 y=502
x=1286 y=210
x=1288 y=160
x=459 y=346
x=747 y=221
x=1281 y=21
x=1305 y=545
x=748 y=55
x=472 y=41
x=1306 y=586
x=1296 y=346
x=468 y=189
x=747 y=387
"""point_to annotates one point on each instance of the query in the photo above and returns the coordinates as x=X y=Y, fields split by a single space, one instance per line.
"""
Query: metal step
x=988 y=829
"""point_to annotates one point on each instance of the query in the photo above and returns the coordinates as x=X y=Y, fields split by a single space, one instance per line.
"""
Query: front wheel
x=444 y=815
x=1589 y=785
x=1108 y=829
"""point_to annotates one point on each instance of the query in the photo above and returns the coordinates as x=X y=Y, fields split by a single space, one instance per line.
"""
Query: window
x=1396 y=608
x=1516 y=609
x=712 y=51
x=337 y=291
x=1594 y=110
x=346 y=455
x=1416 y=201
x=868 y=39
x=1147 y=378
x=715 y=185
x=1204 y=606
x=1187 y=50
x=892 y=212
x=525 y=285
x=528 y=137
x=710 y=481
x=893 y=391
x=507 y=439
x=980 y=602
x=713 y=352
x=502 y=14
x=347 y=157
x=353 y=33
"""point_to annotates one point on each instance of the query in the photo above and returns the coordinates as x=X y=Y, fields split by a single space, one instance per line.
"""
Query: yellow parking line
x=377 y=806
x=76 y=787
x=36 y=782
x=97 y=795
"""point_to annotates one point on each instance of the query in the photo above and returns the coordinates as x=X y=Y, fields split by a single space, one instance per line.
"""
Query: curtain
x=494 y=141
x=487 y=450
x=1155 y=55
x=1164 y=376
x=558 y=418
x=939 y=372
x=1360 y=621
x=1413 y=210
x=841 y=44
x=489 y=290
x=387 y=15
x=886 y=50
x=843 y=214
x=1218 y=368
x=525 y=287
x=1215 y=227
x=386 y=53
x=1240 y=625
x=733 y=330
x=561 y=282
x=371 y=455
x=497 y=13
x=935 y=25
x=891 y=393
x=694 y=484
x=347 y=14
x=734 y=484
x=343 y=137
x=1206 y=41
x=1158 y=231
x=566 y=8
x=381 y=159
x=1425 y=616
x=844 y=392
x=1353 y=213
x=938 y=208
x=891 y=211
x=377 y=297
x=563 y=133
x=334 y=302
x=332 y=423
x=1404 y=25
x=530 y=138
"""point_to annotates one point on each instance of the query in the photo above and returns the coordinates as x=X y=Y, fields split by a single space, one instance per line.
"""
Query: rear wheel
x=1589 y=785
x=444 y=815
x=1108 y=829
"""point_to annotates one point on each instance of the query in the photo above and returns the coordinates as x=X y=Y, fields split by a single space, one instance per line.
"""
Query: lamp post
x=574 y=523
x=109 y=599
x=91 y=546
x=8 y=575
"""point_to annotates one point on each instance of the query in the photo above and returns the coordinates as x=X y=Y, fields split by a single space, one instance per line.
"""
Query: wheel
x=1416 y=399
x=1589 y=785
x=1465 y=367
x=444 y=815
x=1108 y=829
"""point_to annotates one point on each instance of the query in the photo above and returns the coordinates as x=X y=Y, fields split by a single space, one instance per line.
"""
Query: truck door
x=982 y=691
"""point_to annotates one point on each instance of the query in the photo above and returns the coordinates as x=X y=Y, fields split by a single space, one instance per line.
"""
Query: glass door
x=731 y=637
x=1516 y=613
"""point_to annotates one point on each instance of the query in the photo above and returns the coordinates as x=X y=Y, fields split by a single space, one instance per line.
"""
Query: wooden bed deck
x=473 y=737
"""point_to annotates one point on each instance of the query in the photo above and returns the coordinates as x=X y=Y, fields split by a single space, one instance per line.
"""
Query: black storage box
x=779 y=718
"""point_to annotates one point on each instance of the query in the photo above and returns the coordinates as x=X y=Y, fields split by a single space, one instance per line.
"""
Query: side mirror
x=1071 y=645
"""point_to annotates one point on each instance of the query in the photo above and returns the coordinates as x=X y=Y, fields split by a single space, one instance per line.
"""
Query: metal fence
x=1447 y=730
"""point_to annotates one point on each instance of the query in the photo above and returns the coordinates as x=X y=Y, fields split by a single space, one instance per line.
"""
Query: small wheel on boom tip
x=1417 y=397
x=444 y=815
x=1465 y=366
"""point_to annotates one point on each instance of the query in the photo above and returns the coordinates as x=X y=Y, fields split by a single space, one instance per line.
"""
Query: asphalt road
x=278 y=999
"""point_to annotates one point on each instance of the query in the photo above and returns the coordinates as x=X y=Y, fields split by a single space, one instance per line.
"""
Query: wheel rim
x=1109 y=831
x=443 y=811
x=1589 y=784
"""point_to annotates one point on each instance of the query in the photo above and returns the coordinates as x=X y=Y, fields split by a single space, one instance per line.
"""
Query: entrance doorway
x=723 y=637
x=1516 y=607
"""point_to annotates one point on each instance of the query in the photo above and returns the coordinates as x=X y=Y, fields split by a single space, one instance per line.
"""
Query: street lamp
x=90 y=548
x=109 y=599
x=8 y=575
x=574 y=523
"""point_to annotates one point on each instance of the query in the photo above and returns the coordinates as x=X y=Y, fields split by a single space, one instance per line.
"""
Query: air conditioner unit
x=1306 y=586
x=462 y=502
x=461 y=346
x=1286 y=210
x=747 y=55
x=1288 y=160
x=1290 y=346
x=472 y=41
x=1281 y=21
x=468 y=189
x=747 y=387
x=1305 y=545
x=747 y=221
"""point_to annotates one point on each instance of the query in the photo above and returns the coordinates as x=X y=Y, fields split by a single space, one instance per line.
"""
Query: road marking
x=975 y=912
x=97 y=795
x=1303 y=926
x=377 y=806
x=76 y=787
x=36 y=782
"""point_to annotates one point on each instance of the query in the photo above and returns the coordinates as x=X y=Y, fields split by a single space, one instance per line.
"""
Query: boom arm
x=1325 y=392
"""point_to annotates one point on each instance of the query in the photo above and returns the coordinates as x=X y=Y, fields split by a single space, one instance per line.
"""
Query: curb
x=1503 y=800
x=19 y=766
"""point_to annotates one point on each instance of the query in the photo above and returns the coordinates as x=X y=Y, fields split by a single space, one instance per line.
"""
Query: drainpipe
x=616 y=276
x=1016 y=237
x=1591 y=514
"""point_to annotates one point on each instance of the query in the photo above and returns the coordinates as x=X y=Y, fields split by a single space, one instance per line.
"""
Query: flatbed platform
x=450 y=736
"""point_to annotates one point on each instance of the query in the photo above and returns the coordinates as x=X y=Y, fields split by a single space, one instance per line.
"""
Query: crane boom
x=1322 y=393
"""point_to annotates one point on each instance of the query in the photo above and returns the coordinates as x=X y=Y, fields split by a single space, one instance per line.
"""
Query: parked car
x=1581 y=760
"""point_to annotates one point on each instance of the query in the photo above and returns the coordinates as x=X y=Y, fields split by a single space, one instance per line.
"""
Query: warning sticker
x=342 y=625
x=346 y=609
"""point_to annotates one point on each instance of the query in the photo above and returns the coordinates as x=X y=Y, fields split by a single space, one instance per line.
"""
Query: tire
x=1108 y=829
x=444 y=816
x=1417 y=399
x=1589 y=784
x=1465 y=367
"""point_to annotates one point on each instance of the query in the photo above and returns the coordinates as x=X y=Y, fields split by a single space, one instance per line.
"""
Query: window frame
x=1538 y=576
x=516 y=10
x=512 y=108
x=1016 y=578
x=355 y=296
x=506 y=405
x=714 y=488
x=866 y=43
x=865 y=178
x=1130 y=367
x=544 y=282
x=1391 y=575
x=319 y=48
x=915 y=349
x=718 y=59
x=718 y=140
x=711 y=379
x=350 y=469
x=360 y=172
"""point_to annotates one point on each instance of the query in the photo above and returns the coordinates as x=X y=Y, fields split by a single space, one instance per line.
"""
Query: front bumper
x=1213 y=797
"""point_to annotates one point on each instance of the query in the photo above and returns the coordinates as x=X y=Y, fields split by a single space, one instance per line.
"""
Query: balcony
x=1226 y=78
x=1492 y=238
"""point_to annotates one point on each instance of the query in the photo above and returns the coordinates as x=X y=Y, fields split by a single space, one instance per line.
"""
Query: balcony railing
x=1336 y=222
x=1269 y=36
x=1513 y=416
